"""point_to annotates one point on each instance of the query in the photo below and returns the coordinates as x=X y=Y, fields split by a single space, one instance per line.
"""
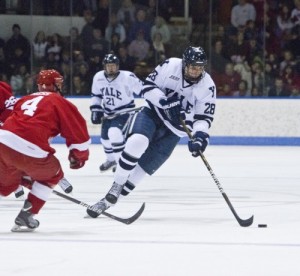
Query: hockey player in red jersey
x=7 y=101
x=25 y=148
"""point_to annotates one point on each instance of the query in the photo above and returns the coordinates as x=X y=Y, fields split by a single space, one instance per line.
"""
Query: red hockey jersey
x=39 y=117
x=7 y=101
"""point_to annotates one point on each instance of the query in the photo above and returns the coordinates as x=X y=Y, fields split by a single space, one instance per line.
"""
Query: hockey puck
x=262 y=225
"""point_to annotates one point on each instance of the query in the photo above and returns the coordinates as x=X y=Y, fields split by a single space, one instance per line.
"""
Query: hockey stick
x=132 y=110
x=242 y=222
x=123 y=220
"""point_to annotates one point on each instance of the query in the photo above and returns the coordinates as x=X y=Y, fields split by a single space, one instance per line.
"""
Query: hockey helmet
x=5 y=88
x=193 y=62
x=113 y=69
x=49 y=79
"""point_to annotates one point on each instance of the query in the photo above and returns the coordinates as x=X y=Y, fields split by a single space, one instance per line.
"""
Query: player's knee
x=115 y=135
x=137 y=144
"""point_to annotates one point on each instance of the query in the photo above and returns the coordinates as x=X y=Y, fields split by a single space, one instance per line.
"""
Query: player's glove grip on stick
x=77 y=158
x=198 y=143
x=172 y=109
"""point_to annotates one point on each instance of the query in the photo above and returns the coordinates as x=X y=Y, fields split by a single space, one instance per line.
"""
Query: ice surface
x=186 y=229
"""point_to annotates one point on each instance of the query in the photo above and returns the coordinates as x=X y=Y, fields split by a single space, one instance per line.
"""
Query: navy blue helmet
x=111 y=59
x=194 y=56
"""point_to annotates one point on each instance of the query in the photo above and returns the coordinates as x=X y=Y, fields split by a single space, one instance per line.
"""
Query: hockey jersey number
x=30 y=106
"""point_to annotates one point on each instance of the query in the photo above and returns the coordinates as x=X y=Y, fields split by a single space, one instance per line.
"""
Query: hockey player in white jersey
x=176 y=88
x=113 y=91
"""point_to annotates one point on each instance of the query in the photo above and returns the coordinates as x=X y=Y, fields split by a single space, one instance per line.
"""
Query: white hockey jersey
x=117 y=94
x=197 y=100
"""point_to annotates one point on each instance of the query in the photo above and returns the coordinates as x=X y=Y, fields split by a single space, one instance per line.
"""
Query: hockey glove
x=198 y=143
x=77 y=158
x=172 y=109
x=97 y=114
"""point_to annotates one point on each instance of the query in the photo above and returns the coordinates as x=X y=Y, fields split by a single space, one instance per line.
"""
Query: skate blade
x=89 y=217
x=21 y=229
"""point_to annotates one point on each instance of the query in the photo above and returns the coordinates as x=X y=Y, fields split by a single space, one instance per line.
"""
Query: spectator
x=157 y=51
x=17 y=50
x=270 y=76
x=295 y=92
x=65 y=69
x=294 y=45
x=126 y=14
x=95 y=65
x=258 y=76
x=255 y=92
x=241 y=13
x=295 y=15
x=251 y=32
x=229 y=77
x=115 y=27
x=243 y=90
x=278 y=89
x=39 y=46
x=97 y=46
x=29 y=85
x=140 y=25
x=139 y=47
x=290 y=77
x=284 y=26
x=90 y=5
x=115 y=43
x=85 y=76
x=54 y=48
x=242 y=67
x=87 y=30
x=254 y=51
x=151 y=11
x=102 y=16
x=73 y=43
x=79 y=88
x=51 y=62
x=3 y=65
x=17 y=80
x=161 y=27
x=288 y=60
x=127 y=62
x=238 y=47
x=218 y=58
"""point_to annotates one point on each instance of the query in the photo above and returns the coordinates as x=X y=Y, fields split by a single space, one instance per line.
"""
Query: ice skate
x=19 y=193
x=108 y=165
x=114 y=193
x=98 y=208
x=65 y=185
x=25 y=222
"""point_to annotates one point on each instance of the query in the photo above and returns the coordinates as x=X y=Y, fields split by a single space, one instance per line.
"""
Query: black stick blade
x=127 y=220
x=246 y=222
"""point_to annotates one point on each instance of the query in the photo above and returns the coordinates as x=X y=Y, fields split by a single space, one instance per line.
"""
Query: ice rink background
x=186 y=229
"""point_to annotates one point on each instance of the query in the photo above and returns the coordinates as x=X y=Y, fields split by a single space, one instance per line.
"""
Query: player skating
x=25 y=148
x=113 y=91
x=177 y=87
x=7 y=102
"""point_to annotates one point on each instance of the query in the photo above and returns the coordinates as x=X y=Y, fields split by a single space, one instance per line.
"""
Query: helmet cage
x=194 y=56
x=111 y=59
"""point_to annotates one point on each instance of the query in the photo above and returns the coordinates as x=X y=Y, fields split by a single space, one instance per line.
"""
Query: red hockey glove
x=77 y=158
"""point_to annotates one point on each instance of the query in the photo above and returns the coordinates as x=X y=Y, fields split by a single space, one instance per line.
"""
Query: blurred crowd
x=253 y=45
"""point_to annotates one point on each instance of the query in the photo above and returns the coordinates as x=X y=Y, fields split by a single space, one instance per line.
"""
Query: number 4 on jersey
x=30 y=106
